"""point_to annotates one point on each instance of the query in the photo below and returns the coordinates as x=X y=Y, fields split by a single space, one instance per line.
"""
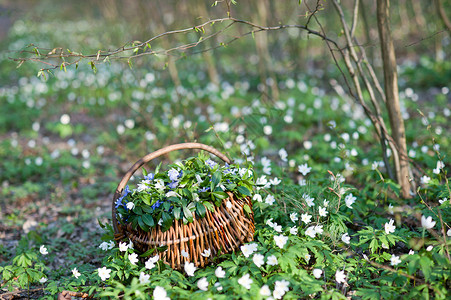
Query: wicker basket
x=221 y=231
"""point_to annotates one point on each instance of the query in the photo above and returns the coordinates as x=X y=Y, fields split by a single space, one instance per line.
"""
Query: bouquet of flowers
x=184 y=192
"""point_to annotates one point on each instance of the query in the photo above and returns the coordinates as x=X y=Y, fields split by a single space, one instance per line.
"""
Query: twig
x=355 y=17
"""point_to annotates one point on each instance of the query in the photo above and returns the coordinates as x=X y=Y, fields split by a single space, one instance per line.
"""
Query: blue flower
x=119 y=201
x=204 y=189
x=157 y=204
x=173 y=174
x=210 y=163
x=149 y=176
x=173 y=184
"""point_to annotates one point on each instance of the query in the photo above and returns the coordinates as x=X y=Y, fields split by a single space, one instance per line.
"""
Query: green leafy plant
x=184 y=192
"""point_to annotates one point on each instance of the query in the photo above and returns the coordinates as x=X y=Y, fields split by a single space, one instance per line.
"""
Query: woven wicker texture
x=221 y=231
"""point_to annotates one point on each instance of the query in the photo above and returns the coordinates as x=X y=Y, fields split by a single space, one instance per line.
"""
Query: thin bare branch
x=355 y=17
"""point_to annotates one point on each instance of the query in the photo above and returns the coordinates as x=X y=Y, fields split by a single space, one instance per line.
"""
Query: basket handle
x=147 y=159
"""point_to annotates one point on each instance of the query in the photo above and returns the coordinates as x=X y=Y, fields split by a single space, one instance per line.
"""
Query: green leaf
x=216 y=179
x=221 y=195
x=148 y=220
x=147 y=253
x=374 y=245
x=187 y=213
x=167 y=221
x=209 y=206
x=177 y=212
x=142 y=224
x=200 y=209
x=247 y=209
x=244 y=190
x=426 y=266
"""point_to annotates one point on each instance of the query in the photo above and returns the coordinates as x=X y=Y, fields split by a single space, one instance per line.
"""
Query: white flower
x=265 y=162
x=311 y=232
x=43 y=280
x=75 y=273
x=133 y=258
x=258 y=259
x=425 y=180
x=154 y=259
x=272 y=260
x=349 y=200
x=202 y=284
x=265 y=291
x=411 y=252
x=246 y=281
x=276 y=227
x=304 y=169
x=159 y=184
x=389 y=227
x=280 y=240
x=206 y=253
x=283 y=154
x=294 y=217
x=123 y=246
x=429 y=248
x=294 y=230
x=248 y=249
x=319 y=229
x=340 y=276
x=43 y=250
x=270 y=223
x=302 y=182
x=394 y=260
x=104 y=273
x=280 y=288
x=441 y=201
x=262 y=183
x=257 y=197
x=448 y=233
x=317 y=273
x=143 y=185
x=346 y=238
x=190 y=268
x=228 y=204
x=218 y=286
x=144 y=278
x=307 y=257
x=322 y=211
x=130 y=245
x=270 y=199
x=219 y=272
x=149 y=264
x=308 y=200
x=390 y=209
x=326 y=203
x=159 y=293
x=427 y=223
x=306 y=218
x=275 y=181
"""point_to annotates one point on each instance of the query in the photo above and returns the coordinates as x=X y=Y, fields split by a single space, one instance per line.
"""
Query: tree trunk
x=392 y=95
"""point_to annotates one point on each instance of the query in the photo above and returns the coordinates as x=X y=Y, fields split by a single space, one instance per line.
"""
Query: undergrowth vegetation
x=329 y=220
